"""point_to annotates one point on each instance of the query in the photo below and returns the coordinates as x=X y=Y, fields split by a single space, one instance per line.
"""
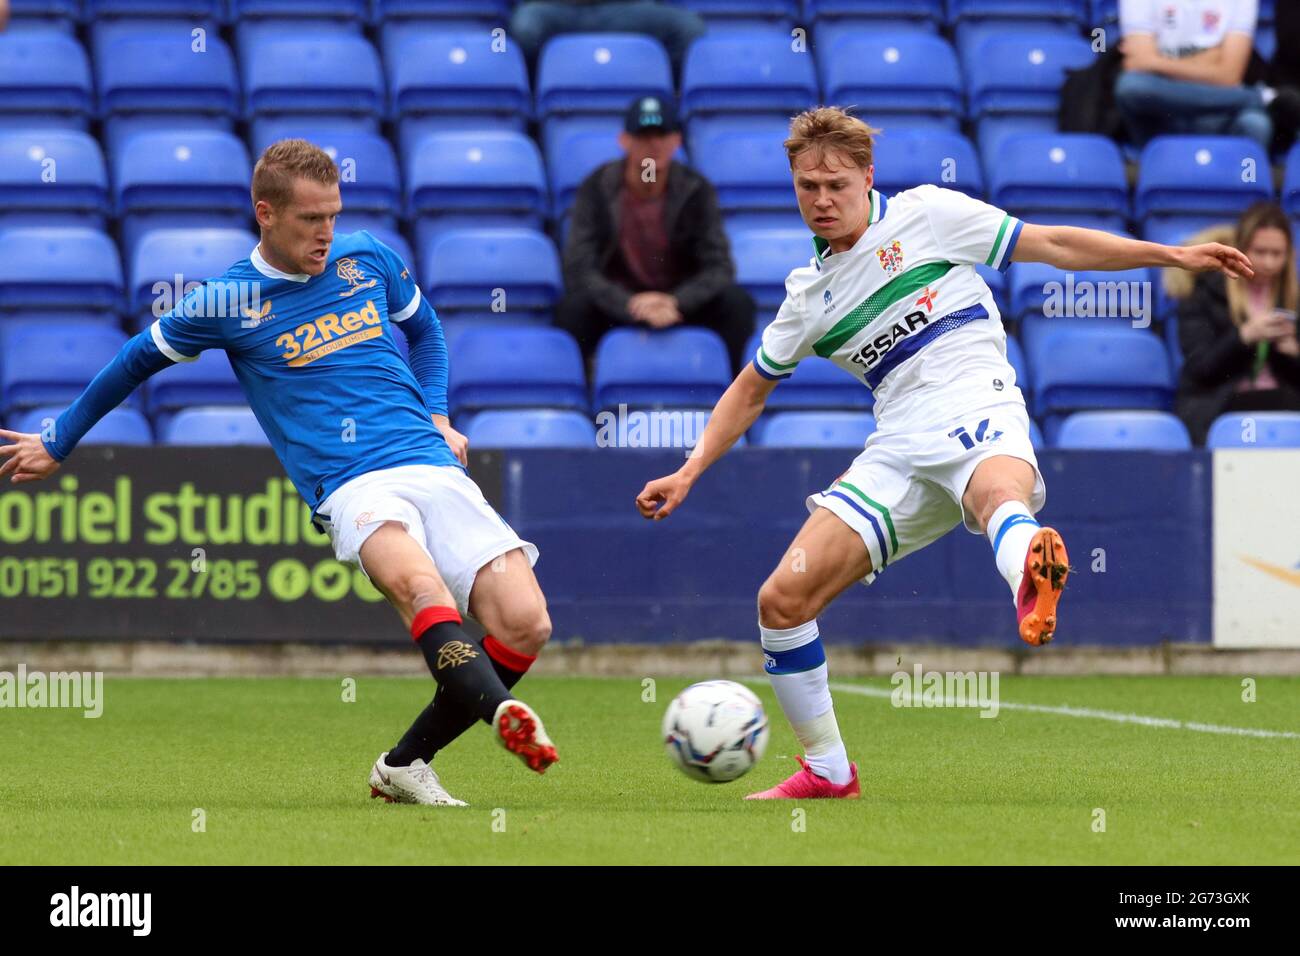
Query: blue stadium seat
x=1074 y=10
x=298 y=9
x=391 y=238
x=368 y=174
x=749 y=72
x=1178 y=230
x=59 y=267
x=600 y=73
x=531 y=428
x=1290 y=198
x=120 y=127
x=44 y=80
x=52 y=177
x=51 y=363
x=817 y=383
x=42 y=11
x=929 y=13
x=515 y=366
x=910 y=157
x=182 y=178
x=476 y=173
x=817 y=430
x=575 y=146
x=465 y=268
x=213 y=425
x=1044 y=297
x=1097 y=367
x=454 y=72
x=1104 y=12
x=764 y=258
x=312 y=72
x=193 y=254
x=1201 y=175
x=683 y=367
x=1078 y=173
x=152 y=67
x=1131 y=431
x=212 y=10
x=1255 y=430
x=748 y=13
x=209 y=380
x=1022 y=72
x=890 y=76
x=121 y=426
x=746 y=162
x=495 y=12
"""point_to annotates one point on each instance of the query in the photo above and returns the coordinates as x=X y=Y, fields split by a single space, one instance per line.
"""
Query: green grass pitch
x=279 y=767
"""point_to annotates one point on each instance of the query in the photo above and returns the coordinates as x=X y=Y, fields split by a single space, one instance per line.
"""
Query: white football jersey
x=904 y=310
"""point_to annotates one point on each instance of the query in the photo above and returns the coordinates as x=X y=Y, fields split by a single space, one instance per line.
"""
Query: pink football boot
x=806 y=785
x=1046 y=568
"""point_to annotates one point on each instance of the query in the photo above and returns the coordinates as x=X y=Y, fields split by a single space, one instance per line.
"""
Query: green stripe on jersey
x=867 y=311
x=767 y=360
x=997 y=243
x=889 y=522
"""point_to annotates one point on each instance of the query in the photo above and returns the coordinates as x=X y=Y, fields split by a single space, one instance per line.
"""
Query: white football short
x=440 y=507
x=905 y=489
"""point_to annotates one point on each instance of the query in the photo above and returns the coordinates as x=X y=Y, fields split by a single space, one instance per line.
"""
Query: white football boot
x=414 y=784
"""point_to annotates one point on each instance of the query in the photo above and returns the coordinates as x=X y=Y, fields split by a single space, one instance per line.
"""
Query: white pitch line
x=1111 y=715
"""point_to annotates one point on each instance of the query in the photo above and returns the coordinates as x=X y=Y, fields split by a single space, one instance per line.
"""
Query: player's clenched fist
x=25 y=457
x=660 y=497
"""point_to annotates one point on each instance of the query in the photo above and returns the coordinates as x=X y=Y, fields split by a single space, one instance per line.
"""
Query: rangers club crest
x=891 y=257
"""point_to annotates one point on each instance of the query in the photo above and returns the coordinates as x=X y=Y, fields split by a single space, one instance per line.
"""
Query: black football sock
x=458 y=662
x=445 y=719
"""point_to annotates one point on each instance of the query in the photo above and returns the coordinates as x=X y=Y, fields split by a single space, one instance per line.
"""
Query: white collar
x=270 y=271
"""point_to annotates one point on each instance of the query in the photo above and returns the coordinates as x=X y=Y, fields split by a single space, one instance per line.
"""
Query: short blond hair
x=286 y=160
x=830 y=128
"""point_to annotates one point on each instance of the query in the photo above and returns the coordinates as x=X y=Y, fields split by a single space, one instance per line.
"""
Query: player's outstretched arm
x=33 y=456
x=737 y=409
x=1072 y=247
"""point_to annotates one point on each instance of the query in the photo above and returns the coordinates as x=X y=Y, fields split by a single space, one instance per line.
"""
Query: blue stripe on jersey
x=908 y=347
x=768 y=375
x=875 y=525
x=1011 y=246
x=797 y=660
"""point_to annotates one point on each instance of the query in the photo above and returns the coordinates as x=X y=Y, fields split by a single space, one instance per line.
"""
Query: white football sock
x=796 y=664
x=1009 y=531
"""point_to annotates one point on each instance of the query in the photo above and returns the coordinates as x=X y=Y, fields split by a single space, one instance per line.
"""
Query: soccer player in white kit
x=892 y=297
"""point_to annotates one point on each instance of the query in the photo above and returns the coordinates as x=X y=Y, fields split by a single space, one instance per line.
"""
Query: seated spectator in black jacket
x=646 y=244
x=1239 y=338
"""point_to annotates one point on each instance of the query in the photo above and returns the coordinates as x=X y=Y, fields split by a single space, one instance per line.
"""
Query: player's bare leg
x=1032 y=559
x=825 y=557
x=405 y=574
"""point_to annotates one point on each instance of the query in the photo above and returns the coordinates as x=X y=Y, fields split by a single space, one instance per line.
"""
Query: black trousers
x=730 y=313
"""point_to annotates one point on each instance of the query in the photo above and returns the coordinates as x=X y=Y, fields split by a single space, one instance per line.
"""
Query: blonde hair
x=286 y=160
x=830 y=128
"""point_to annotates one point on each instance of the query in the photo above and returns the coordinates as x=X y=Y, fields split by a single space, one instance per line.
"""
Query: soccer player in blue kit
x=367 y=442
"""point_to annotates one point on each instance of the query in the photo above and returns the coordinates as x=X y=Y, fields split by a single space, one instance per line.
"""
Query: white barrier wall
x=1257 y=548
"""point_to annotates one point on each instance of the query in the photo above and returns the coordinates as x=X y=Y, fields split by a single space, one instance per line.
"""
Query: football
x=715 y=731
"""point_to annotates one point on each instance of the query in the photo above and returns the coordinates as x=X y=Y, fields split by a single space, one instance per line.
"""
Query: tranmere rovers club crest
x=891 y=257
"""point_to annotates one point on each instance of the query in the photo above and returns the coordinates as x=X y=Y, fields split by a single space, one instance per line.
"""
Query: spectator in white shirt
x=1184 y=66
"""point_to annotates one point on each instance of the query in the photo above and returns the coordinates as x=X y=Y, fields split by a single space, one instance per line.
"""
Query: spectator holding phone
x=1239 y=338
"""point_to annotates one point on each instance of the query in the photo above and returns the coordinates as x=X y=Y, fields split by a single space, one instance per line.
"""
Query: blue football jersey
x=317 y=359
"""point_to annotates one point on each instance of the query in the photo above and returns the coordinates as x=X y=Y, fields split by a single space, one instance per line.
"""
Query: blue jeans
x=1153 y=105
x=532 y=24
